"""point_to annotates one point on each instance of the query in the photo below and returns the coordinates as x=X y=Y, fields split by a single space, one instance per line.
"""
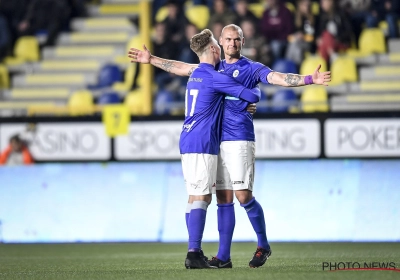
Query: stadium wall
x=355 y=135
x=303 y=200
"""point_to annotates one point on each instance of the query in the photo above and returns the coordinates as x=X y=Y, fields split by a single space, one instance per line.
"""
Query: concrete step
x=375 y=86
x=54 y=80
x=43 y=94
x=394 y=45
x=120 y=1
x=66 y=66
x=380 y=73
x=105 y=52
x=95 y=38
x=391 y=58
x=114 y=10
x=365 y=102
x=103 y=24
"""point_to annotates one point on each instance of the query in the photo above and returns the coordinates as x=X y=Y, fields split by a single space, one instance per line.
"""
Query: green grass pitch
x=166 y=261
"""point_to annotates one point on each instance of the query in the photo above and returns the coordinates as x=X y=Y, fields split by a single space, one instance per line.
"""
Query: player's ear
x=212 y=48
x=220 y=40
x=243 y=40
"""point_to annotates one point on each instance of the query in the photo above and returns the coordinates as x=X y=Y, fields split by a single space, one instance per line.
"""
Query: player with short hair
x=236 y=160
x=201 y=136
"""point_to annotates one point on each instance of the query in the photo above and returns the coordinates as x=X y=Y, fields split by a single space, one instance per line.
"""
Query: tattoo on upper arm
x=292 y=80
x=191 y=71
x=270 y=78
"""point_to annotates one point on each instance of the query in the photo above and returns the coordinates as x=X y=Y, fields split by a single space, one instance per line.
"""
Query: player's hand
x=321 y=78
x=139 y=56
x=252 y=108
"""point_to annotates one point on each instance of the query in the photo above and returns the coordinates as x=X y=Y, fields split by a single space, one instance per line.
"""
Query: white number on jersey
x=194 y=93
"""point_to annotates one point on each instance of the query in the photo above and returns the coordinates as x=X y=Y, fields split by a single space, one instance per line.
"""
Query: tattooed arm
x=294 y=80
x=171 y=66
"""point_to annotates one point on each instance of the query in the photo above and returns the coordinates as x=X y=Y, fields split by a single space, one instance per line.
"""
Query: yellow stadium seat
x=26 y=50
x=4 y=78
x=372 y=40
x=311 y=63
x=314 y=99
x=161 y=14
x=81 y=103
x=129 y=78
x=257 y=9
x=198 y=15
x=135 y=102
x=343 y=70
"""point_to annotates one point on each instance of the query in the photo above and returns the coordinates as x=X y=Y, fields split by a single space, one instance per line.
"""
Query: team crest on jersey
x=235 y=73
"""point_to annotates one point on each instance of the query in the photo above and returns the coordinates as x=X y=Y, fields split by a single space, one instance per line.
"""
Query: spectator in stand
x=221 y=13
x=216 y=29
x=78 y=8
x=334 y=32
x=5 y=39
x=243 y=13
x=49 y=15
x=255 y=47
x=175 y=22
x=164 y=47
x=17 y=153
x=186 y=54
x=302 y=40
x=276 y=26
x=388 y=10
x=357 y=11
x=14 y=12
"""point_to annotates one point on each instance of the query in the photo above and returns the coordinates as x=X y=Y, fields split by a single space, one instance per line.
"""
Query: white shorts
x=236 y=165
x=199 y=172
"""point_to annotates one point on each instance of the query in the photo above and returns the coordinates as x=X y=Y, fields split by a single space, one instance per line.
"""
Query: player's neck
x=207 y=59
x=231 y=59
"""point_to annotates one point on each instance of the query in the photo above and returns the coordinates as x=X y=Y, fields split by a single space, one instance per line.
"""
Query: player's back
x=201 y=131
x=237 y=123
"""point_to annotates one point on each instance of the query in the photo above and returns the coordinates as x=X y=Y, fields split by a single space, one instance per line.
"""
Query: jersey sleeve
x=260 y=72
x=227 y=85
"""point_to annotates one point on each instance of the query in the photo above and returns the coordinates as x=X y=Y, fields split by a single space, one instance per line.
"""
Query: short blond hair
x=200 y=41
x=233 y=27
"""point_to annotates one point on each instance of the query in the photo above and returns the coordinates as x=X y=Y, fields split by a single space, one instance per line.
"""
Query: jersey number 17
x=190 y=100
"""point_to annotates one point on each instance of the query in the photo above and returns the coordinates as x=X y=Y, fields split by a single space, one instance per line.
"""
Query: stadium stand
x=362 y=79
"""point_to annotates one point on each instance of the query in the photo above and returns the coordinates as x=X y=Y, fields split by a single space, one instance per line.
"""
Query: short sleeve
x=260 y=72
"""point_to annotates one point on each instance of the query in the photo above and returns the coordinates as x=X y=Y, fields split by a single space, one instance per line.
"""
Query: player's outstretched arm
x=172 y=66
x=295 y=80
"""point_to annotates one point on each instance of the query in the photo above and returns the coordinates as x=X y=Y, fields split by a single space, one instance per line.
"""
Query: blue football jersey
x=205 y=93
x=237 y=123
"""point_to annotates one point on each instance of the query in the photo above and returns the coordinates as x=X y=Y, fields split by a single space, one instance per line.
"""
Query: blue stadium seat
x=109 y=98
x=285 y=66
x=108 y=75
x=282 y=100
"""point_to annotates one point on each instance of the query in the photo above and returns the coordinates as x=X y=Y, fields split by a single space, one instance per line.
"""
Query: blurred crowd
x=280 y=33
x=36 y=17
x=285 y=29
